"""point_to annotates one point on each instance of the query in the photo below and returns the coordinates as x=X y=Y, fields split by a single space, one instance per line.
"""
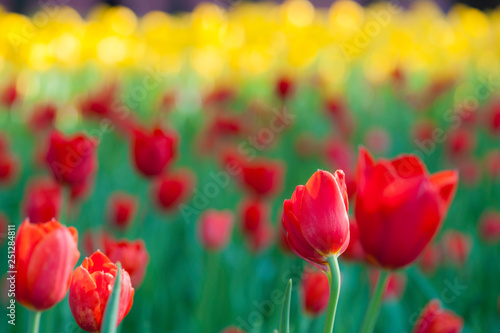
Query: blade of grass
x=285 y=310
x=111 y=311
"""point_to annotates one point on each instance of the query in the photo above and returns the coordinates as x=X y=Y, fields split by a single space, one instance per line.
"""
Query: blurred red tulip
x=121 y=211
x=340 y=115
x=153 y=151
x=423 y=131
x=354 y=251
x=214 y=229
x=314 y=292
x=396 y=284
x=254 y=214
x=45 y=256
x=434 y=319
x=456 y=247
x=262 y=176
x=42 y=200
x=172 y=189
x=285 y=88
x=9 y=168
x=43 y=117
x=131 y=254
x=315 y=218
x=341 y=155
x=430 y=259
x=219 y=95
x=492 y=164
x=71 y=159
x=168 y=101
x=461 y=141
x=400 y=205
x=91 y=285
x=9 y=94
x=489 y=226
x=378 y=140
x=493 y=117
x=261 y=239
x=4 y=223
x=232 y=329
x=469 y=170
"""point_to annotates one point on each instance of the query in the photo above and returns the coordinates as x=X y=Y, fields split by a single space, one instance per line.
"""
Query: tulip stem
x=375 y=302
x=35 y=322
x=334 y=293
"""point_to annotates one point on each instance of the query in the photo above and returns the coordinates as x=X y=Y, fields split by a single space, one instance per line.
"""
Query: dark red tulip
x=434 y=319
x=430 y=259
x=314 y=291
x=254 y=214
x=9 y=95
x=489 y=226
x=72 y=159
x=461 y=141
x=354 y=251
x=262 y=176
x=91 y=285
x=214 y=229
x=153 y=151
x=43 y=117
x=45 y=256
x=401 y=206
x=285 y=88
x=456 y=247
x=172 y=189
x=42 y=200
x=133 y=256
x=396 y=284
x=315 y=219
x=122 y=208
x=493 y=117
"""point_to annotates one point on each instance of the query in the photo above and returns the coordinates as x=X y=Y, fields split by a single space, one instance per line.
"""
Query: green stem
x=375 y=302
x=34 y=322
x=334 y=293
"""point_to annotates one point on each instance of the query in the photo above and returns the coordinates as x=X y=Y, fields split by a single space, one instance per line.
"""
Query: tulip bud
x=315 y=291
x=122 y=209
x=90 y=287
x=42 y=200
x=285 y=88
x=152 y=152
x=391 y=189
x=214 y=229
x=315 y=218
x=172 y=189
x=43 y=117
x=262 y=177
x=433 y=319
x=131 y=254
x=45 y=256
x=72 y=159
x=460 y=142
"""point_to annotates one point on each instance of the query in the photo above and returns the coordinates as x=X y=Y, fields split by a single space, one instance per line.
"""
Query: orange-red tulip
x=214 y=228
x=90 y=287
x=315 y=291
x=434 y=319
x=315 y=218
x=399 y=207
x=45 y=256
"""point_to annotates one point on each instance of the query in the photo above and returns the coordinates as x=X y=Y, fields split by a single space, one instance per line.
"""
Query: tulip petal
x=446 y=182
x=323 y=216
x=84 y=299
x=50 y=268
x=407 y=166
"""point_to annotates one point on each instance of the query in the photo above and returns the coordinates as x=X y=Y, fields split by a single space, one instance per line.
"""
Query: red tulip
x=315 y=218
x=219 y=95
x=396 y=284
x=262 y=177
x=431 y=258
x=434 y=319
x=285 y=88
x=9 y=94
x=340 y=115
x=423 y=131
x=493 y=117
x=172 y=189
x=456 y=247
x=461 y=142
x=354 y=251
x=341 y=155
x=489 y=226
x=255 y=224
x=45 y=256
x=9 y=168
x=378 y=140
x=131 y=254
x=214 y=229
x=492 y=164
x=91 y=285
x=43 y=117
x=399 y=207
x=314 y=291
x=153 y=151
x=122 y=209
x=232 y=329
x=261 y=239
x=469 y=170
x=42 y=200
x=71 y=159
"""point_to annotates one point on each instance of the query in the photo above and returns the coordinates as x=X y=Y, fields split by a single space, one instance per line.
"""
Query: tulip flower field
x=252 y=167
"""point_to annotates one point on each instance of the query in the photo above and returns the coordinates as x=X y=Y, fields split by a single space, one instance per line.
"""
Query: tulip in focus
x=434 y=319
x=45 y=256
x=315 y=218
x=133 y=256
x=153 y=151
x=122 y=209
x=90 y=287
x=400 y=205
x=314 y=291
x=172 y=189
x=214 y=229
x=42 y=200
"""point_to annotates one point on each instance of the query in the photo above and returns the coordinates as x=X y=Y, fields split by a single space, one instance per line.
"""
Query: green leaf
x=285 y=310
x=111 y=311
